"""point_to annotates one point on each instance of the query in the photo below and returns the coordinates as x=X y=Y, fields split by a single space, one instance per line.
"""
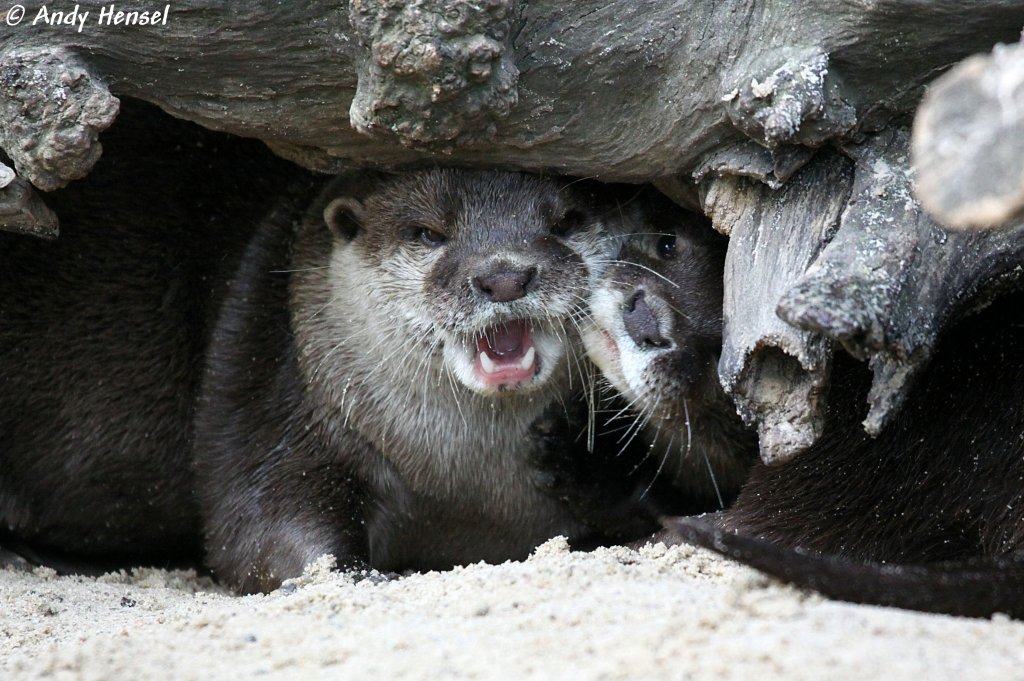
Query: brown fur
x=333 y=420
x=173 y=318
x=928 y=515
x=672 y=443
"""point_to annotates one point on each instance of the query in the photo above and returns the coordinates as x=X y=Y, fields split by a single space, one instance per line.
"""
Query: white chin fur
x=625 y=365
x=460 y=358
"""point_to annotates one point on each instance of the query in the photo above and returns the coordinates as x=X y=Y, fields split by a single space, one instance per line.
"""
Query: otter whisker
x=636 y=430
x=643 y=419
x=299 y=269
x=661 y=466
x=659 y=275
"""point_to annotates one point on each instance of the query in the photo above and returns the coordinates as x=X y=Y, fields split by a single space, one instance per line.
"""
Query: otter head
x=482 y=272
x=656 y=315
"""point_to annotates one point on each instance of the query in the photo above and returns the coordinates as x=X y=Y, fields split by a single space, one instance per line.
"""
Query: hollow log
x=841 y=252
x=776 y=373
x=690 y=95
x=892 y=278
x=618 y=89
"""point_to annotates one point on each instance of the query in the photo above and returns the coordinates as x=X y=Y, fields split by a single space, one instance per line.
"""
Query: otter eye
x=667 y=247
x=429 y=237
x=570 y=222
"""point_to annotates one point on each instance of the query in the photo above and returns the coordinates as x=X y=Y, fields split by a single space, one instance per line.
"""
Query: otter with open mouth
x=379 y=382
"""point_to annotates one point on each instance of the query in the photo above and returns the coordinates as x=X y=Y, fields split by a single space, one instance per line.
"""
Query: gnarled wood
x=21 y=209
x=436 y=72
x=891 y=279
x=621 y=90
x=676 y=93
x=53 y=110
x=776 y=373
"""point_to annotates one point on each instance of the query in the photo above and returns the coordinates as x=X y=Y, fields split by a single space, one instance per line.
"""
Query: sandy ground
x=676 y=613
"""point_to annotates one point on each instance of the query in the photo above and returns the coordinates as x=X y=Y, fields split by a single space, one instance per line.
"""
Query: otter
x=102 y=335
x=382 y=396
x=182 y=377
x=925 y=516
x=655 y=332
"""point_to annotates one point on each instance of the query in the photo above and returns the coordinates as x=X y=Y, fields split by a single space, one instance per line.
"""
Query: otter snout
x=642 y=321
x=511 y=349
x=506 y=284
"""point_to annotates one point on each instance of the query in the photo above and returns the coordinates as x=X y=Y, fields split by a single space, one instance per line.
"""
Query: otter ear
x=344 y=215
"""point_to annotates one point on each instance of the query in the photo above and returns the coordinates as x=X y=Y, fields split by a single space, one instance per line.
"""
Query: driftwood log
x=776 y=373
x=783 y=119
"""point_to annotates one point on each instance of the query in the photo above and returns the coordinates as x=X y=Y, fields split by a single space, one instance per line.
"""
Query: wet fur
x=670 y=442
x=929 y=515
x=167 y=321
x=970 y=588
x=937 y=499
x=942 y=482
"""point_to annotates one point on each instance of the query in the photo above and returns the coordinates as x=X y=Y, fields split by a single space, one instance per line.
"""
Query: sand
x=657 y=613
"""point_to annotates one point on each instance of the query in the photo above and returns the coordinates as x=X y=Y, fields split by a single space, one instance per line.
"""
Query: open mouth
x=506 y=356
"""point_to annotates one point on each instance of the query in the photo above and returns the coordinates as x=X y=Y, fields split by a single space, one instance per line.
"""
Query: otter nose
x=642 y=324
x=505 y=286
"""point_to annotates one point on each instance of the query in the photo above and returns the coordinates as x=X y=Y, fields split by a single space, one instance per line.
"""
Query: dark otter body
x=930 y=514
x=101 y=337
x=348 y=407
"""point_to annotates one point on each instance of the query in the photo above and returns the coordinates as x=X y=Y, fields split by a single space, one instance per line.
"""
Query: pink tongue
x=506 y=339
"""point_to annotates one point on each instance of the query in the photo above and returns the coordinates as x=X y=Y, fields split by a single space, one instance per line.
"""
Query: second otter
x=656 y=334
x=380 y=401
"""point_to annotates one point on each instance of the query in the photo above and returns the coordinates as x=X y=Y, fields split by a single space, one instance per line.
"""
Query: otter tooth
x=486 y=363
x=528 y=358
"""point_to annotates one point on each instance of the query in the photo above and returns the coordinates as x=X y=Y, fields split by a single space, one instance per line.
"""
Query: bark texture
x=619 y=89
x=892 y=278
x=776 y=372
